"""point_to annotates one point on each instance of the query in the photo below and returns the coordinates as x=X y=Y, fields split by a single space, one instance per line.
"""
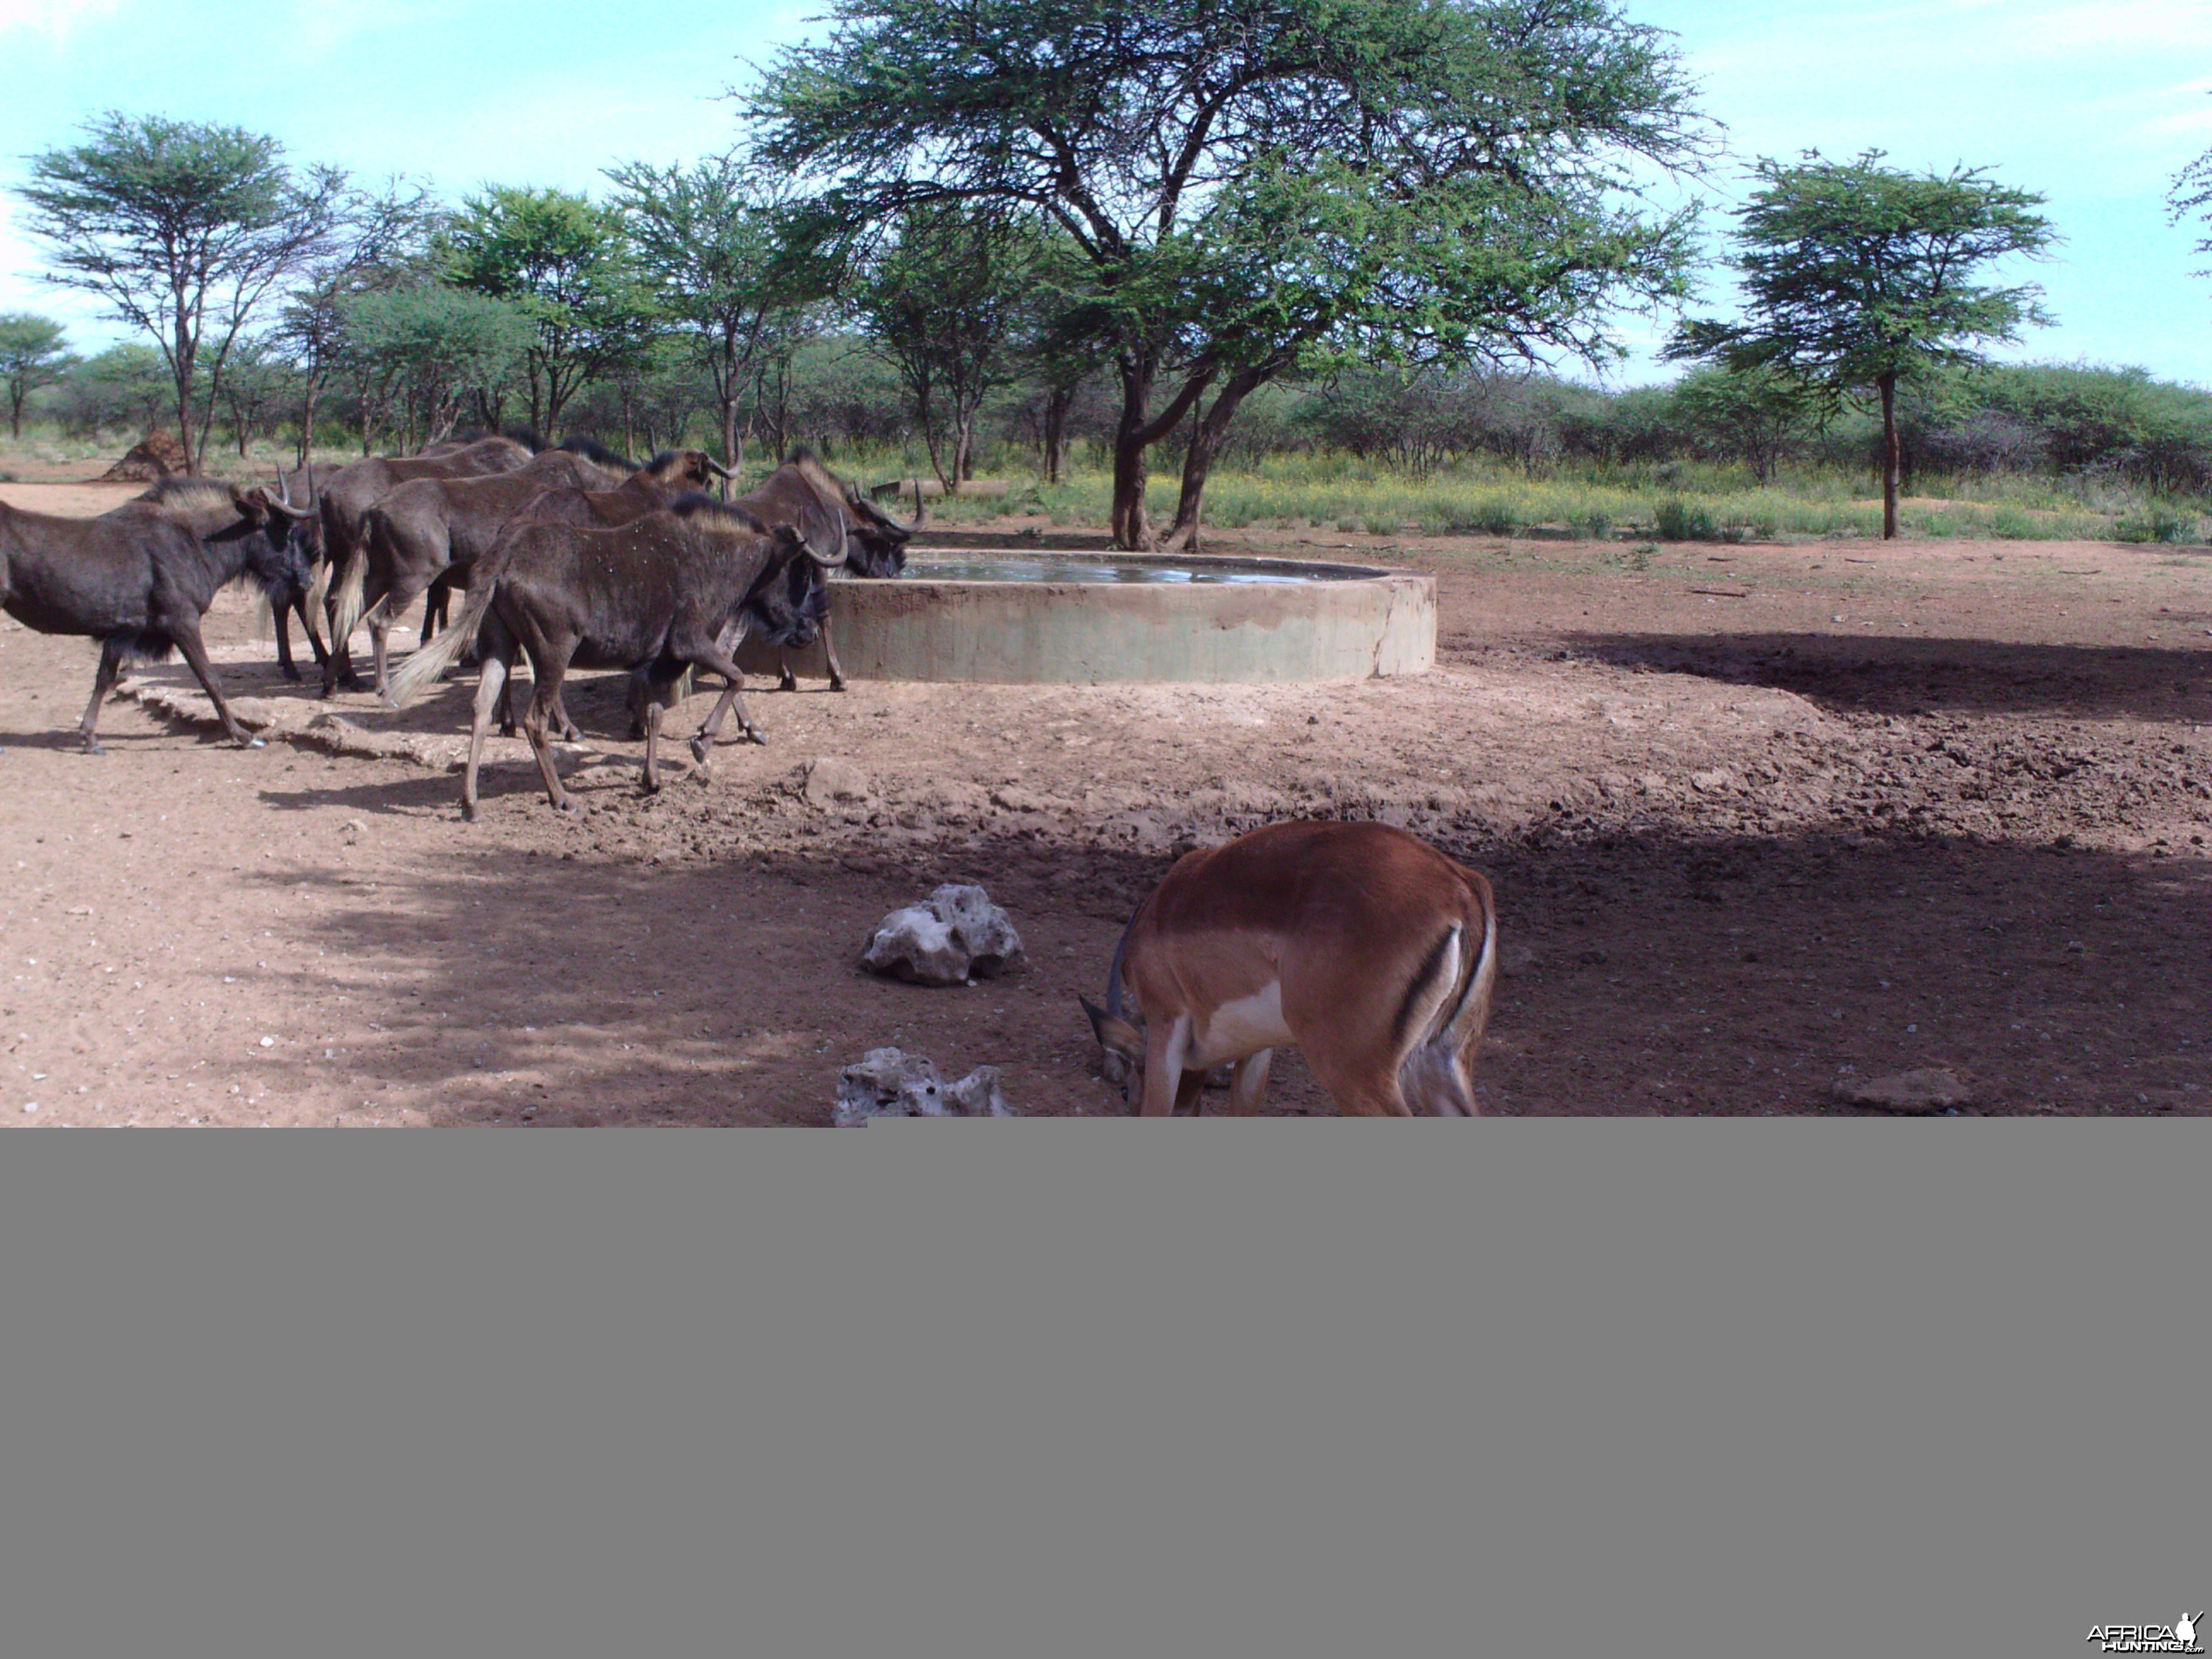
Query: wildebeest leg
x=653 y=712
x=433 y=609
x=187 y=633
x=548 y=666
x=281 y=613
x=491 y=689
x=733 y=697
x=307 y=627
x=830 y=651
x=785 y=679
x=110 y=658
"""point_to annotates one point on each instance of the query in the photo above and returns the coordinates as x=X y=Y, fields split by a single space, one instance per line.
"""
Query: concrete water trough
x=1084 y=618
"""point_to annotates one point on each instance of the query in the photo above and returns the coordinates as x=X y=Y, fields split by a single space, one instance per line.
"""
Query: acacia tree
x=383 y=244
x=1756 y=414
x=1254 y=183
x=567 y=263
x=2193 y=194
x=946 y=300
x=712 y=242
x=418 y=354
x=32 y=354
x=182 y=228
x=1856 y=276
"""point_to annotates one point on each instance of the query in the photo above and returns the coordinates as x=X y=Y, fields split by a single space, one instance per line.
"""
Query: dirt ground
x=1759 y=817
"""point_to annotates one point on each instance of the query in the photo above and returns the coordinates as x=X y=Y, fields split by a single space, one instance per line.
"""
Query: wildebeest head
x=875 y=543
x=280 y=542
x=684 y=469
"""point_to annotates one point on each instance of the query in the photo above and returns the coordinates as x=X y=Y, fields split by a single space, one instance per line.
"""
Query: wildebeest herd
x=1370 y=951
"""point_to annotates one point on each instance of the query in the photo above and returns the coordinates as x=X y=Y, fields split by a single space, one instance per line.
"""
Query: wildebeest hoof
x=468 y=812
x=567 y=806
x=837 y=685
x=93 y=749
x=786 y=683
x=254 y=743
x=754 y=734
x=292 y=675
x=699 y=750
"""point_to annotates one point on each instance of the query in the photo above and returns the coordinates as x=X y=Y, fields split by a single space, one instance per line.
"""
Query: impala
x=1364 y=946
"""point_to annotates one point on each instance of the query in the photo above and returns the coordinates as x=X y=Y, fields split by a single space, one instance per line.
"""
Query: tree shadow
x=1650 y=972
x=1910 y=677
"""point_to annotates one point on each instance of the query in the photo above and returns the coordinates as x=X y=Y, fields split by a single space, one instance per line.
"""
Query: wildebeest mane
x=185 y=490
x=698 y=507
x=593 y=450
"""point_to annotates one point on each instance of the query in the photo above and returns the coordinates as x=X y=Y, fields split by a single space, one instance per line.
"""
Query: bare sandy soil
x=1759 y=817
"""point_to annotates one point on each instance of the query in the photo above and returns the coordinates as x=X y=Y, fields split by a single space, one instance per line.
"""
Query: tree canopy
x=1856 y=276
x=566 y=261
x=182 y=228
x=1259 y=184
x=34 y=353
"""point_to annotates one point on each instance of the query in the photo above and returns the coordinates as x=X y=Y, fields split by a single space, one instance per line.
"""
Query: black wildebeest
x=789 y=612
x=139 y=579
x=350 y=491
x=432 y=528
x=875 y=543
x=296 y=594
x=655 y=594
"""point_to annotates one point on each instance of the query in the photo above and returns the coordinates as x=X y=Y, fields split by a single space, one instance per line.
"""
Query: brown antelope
x=1365 y=947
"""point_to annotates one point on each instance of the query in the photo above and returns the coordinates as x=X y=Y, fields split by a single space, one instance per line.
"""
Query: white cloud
x=53 y=18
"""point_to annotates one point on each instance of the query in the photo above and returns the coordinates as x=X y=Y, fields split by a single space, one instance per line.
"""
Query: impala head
x=1122 y=1043
x=1119 y=1030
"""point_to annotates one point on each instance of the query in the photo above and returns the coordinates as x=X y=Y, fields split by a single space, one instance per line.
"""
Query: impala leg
x=1190 y=1092
x=1165 y=1044
x=491 y=692
x=1248 y=1084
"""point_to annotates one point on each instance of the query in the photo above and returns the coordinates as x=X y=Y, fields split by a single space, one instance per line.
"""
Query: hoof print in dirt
x=955 y=935
x=1925 y=1090
x=831 y=781
x=891 y=1083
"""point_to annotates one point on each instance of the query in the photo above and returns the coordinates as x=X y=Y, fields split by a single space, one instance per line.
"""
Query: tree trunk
x=308 y=426
x=1205 y=434
x=1888 y=383
x=731 y=459
x=1056 y=434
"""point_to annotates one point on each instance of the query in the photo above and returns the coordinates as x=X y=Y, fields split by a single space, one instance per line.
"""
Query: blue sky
x=2096 y=103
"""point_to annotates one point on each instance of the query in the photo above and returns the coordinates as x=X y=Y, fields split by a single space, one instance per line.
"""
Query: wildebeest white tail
x=352 y=582
x=424 y=669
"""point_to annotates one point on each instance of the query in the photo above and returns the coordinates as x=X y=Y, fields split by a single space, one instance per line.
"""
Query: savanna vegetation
x=1371 y=278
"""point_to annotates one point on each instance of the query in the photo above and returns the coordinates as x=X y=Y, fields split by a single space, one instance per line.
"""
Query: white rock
x=891 y=1083
x=955 y=935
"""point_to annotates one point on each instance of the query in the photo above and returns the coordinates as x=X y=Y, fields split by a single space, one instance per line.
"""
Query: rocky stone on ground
x=1928 y=1089
x=891 y=1083
x=153 y=457
x=955 y=935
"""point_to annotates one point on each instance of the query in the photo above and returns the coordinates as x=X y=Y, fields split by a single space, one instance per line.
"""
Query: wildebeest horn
x=806 y=541
x=293 y=513
x=718 y=469
x=283 y=489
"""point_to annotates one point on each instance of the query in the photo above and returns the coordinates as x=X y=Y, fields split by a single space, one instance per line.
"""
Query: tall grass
x=1674 y=503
